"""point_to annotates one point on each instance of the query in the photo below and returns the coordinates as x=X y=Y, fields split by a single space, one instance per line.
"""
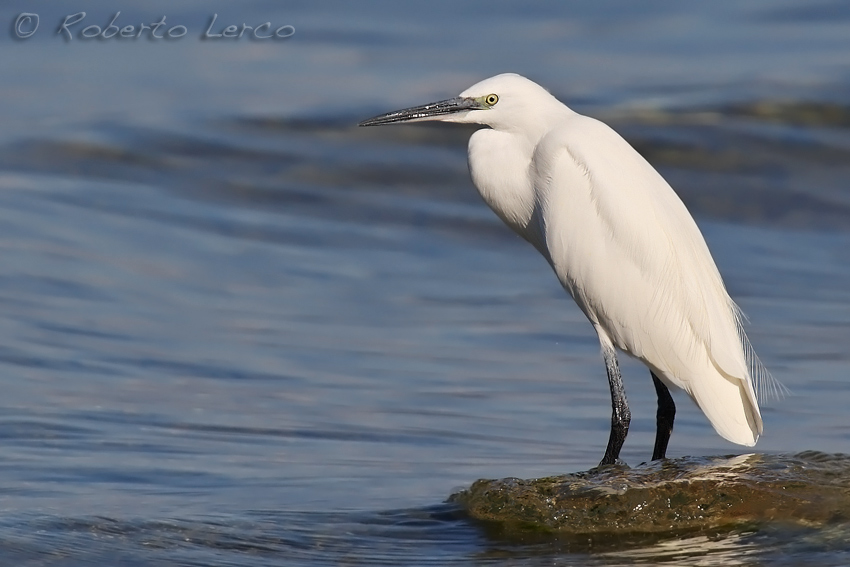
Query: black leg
x=620 y=414
x=663 y=419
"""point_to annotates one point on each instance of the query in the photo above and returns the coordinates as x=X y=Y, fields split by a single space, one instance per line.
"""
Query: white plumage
x=620 y=241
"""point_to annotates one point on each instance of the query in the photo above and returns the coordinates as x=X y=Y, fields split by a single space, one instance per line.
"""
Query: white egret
x=622 y=244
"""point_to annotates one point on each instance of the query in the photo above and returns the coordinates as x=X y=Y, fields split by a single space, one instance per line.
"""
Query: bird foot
x=618 y=463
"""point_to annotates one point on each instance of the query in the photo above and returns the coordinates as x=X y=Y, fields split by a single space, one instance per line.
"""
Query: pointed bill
x=432 y=111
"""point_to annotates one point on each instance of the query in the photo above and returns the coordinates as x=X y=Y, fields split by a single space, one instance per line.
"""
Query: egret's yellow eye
x=491 y=99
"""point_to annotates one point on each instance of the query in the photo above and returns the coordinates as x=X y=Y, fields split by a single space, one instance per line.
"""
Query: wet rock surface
x=677 y=496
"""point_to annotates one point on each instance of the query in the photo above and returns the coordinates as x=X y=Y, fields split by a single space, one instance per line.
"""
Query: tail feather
x=730 y=405
x=765 y=385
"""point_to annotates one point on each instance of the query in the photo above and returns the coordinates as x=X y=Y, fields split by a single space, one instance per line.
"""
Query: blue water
x=237 y=330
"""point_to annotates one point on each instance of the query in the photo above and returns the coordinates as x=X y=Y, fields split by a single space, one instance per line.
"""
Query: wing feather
x=631 y=255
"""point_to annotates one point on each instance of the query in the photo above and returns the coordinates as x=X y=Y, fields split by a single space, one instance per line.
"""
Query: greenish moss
x=670 y=497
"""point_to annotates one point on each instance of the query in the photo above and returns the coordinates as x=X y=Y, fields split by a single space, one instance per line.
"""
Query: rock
x=673 y=496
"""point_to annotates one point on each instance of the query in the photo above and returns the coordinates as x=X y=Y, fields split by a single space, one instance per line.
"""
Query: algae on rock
x=671 y=496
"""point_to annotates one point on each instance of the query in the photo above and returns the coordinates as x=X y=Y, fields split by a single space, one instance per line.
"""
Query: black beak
x=432 y=111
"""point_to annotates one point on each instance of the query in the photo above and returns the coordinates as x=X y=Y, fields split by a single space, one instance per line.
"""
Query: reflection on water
x=422 y=537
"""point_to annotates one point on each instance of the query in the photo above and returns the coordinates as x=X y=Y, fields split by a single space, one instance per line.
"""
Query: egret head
x=503 y=102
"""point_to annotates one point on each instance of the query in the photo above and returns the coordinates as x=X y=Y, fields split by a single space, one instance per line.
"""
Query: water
x=237 y=330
